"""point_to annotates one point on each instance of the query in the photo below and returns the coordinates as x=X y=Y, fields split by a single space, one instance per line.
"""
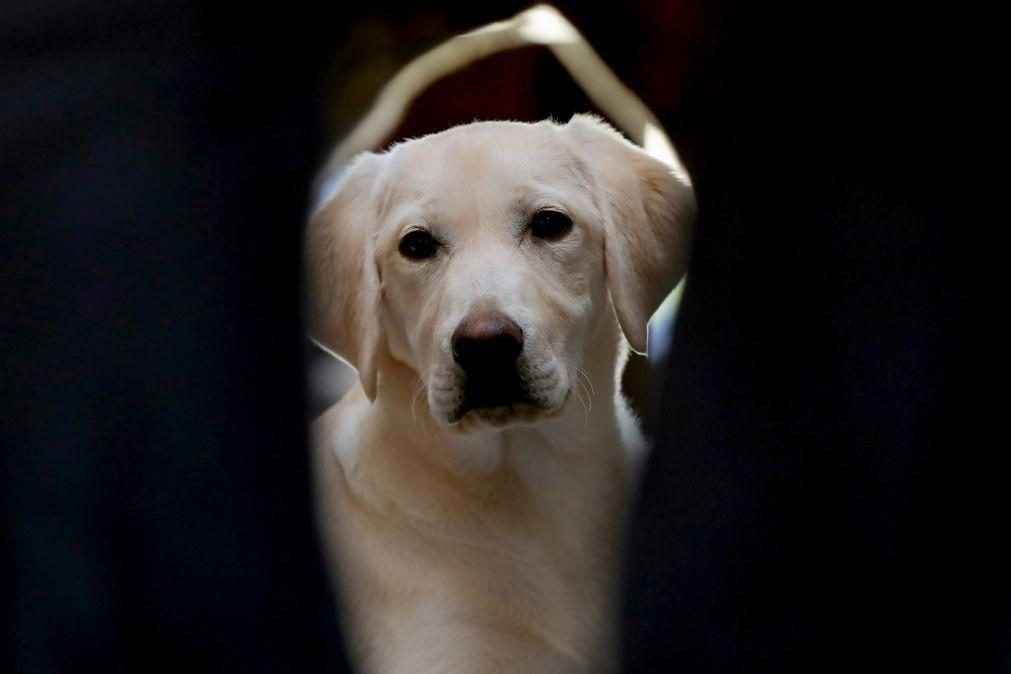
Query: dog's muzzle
x=487 y=347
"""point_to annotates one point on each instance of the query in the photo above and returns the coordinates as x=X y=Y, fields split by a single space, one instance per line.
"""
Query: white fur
x=488 y=543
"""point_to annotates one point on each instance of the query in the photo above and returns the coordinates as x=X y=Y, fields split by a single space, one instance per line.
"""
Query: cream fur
x=491 y=543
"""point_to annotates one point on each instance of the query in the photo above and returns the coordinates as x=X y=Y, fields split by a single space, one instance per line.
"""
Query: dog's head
x=482 y=257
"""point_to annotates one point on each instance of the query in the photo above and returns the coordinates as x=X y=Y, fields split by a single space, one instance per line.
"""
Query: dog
x=487 y=282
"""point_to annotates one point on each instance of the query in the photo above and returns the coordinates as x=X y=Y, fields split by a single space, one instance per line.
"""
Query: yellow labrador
x=472 y=488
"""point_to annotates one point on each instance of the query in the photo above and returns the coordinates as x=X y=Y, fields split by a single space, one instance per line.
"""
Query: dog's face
x=482 y=257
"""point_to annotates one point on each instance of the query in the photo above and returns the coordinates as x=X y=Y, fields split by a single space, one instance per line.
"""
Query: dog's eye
x=418 y=244
x=549 y=224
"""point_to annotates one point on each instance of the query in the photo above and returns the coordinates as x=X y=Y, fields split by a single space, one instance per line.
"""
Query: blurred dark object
x=156 y=159
x=824 y=493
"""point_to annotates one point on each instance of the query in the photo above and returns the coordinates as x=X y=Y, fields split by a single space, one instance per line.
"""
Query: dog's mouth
x=491 y=388
x=503 y=416
x=497 y=399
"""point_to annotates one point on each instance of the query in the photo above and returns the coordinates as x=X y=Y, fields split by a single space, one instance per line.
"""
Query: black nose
x=487 y=340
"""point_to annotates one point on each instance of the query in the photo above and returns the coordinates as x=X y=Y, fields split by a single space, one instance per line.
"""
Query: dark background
x=826 y=491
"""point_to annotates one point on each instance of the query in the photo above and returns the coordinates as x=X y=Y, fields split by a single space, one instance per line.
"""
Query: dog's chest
x=503 y=583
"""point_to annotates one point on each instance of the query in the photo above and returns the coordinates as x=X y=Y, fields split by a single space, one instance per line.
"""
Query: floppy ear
x=341 y=276
x=649 y=217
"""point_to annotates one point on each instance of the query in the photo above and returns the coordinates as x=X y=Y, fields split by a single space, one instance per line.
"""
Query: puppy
x=472 y=489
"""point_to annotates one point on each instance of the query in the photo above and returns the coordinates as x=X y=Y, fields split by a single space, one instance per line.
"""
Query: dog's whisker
x=589 y=396
x=585 y=376
x=419 y=388
x=586 y=410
